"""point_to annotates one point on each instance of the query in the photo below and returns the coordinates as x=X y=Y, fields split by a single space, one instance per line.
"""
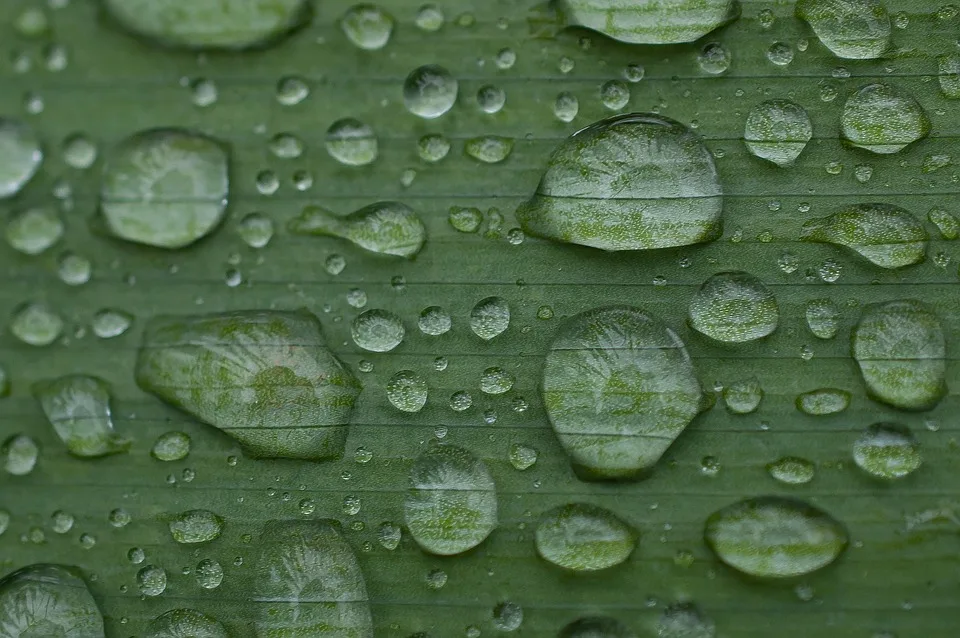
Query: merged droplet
x=618 y=388
x=34 y=230
x=196 y=526
x=46 y=600
x=887 y=451
x=792 y=470
x=489 y=149
x=667 y=22
x=386 y=228
x=165 y=187
x=407 y=391
x=367 y=26
x=78 y=408
x=823 y=318
x=629 y=182
x=377 y=330
x=430 y=91
x=886 y=235
x=210 y=24
x=180 y=623
x=901 y=351
x=596 y=627
x=778 y=131
x=266 y=378
x=583 y=537
x=19 y=454
x=743 y=396
x=882 y=119
x=823 y=401
x=20 y=156
x=734 y=307
x=490 y=317
x=451 y=506
x=852 y=29
x=352 y=142
x=774 y=537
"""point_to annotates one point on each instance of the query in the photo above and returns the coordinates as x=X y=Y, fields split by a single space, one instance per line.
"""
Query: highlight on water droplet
x=777 y=131
x=886 y=235
x=430 y=91
x=78 y=408
x=734 y=307
x=109 y=323
x=882 y=119
x=385 y=228
x=582 y=537
x=20 y=156
x=666 y=22
x=887 y=451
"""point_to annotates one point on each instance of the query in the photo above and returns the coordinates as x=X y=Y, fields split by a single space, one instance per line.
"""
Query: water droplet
x=119 y=517
x=204 y=93
x=291 y=91
x=792 y=470
x=451 y=506
x=862 y=173
x=109 y=323
x=946 y=222
x=948 y=67
x=490 y=317
x=285 y=146
x=582 y=537
x=20 y=454
x=668 y=22
x=407 y=391
x=465 y=220
x=714 y=58
x=523 y=457
x=185 y=622
x=46 y=600
x=614 y=95
x=79 y=152
x=901 y=351
x=351 y=505
x=78 y=408
x=21 y=156
x=34 y=230
x=507 y=616
x=256 y=230
x=853 y=30
x=36 y=324
x=505 y=59
x=566 y=106
x=61 y=522
x=780 y=53
x=429 y=17
x=886 y=235
x=489 y=149
x=274 y=361
x=633 y=72
x=389 y=535
x=433 y=147
x=823 y=318
x=367 y=26
x=774 y=537
x=386 y=228
x=882 y=119
x=430 y=91
x=887 y=451
x=743 y=396
x=496 y=380
x=352 y=143
x=491 y=98
x=436 y=579
x=823 y=401
x=778 y=131
x=685 y=620
x=377 y=330
x=152 y=580
x=196 y=526
x=734 y=307
x=434 y=321
x=630 y=182
x=596 y=627
x=136 y=555
x=460 y=401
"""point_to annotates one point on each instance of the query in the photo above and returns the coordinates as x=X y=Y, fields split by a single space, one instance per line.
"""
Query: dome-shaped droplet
x=618 y=388
x=19 y=454
x=882 y=119
x=34 y=230
x=886 y=235
x=792 y=470
x=582 y=537
x=196 y=526
x=434 y=321
x=823 y=318
x=352 y=142
x=490 y=317
x=430 y=91
x=948 y=67
x=171 y=446
x=743 y=396
x=664 y=22
x=367 y=26
x=152 y=580
x=489 y=149
x=386 y=228
x=734 y=307
x=887 y=451
x=853 y=29
x=377 y=330
x=109 y=323
x=685 y=620
x=185 y=623
x=823 y=401
x=78 y=408
x=48 y=601
x=777 y=131
x=407 y=391
x=36 y=324
x=629 y=182
x=20 y=156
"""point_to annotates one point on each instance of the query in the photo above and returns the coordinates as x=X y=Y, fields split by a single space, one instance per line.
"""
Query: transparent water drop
x=862 y=173
x=171 y=446
x=566 y=106
x=823 y=318
x=882 y=119
x=32 y=22
x=490 y=317
x=389 y=535
x=367 y=26
x=351 y=505
x=62 y=522
x=496 y=380
x=429 y=17
x=267 y=182
x=780 y=53
x=853 y=30
x=489 y=149
x=20 y=454
x=778 y=131
x=430 y=91
x=581 y=537
x=714 y=58
x=79 y=152
x=614 y=95
x=633 y=72
x=505 y=59
x=285 y=146
x=507 y=616
x=36 y=324
x=491 y=98
x=46 y=600
x=823 y=401
x=377 y=330
x=196 y=526
x=292 y=90
x=119 y=517
x=407 y=391
x=886 y=235
x=946 y=222
x=436 y=579
x=20 y=156
x=743 y=396
x=352 y=142
x=460 y=401
x=386 y=228
x=78 y=408
x=669 y=22
x=433 y=147
x=887 y=451
x=434 y=321
x=792 y=470
x=334 y=264
x=185 y=622
x=33 y=230
x=203 y=92
x=109 y=323
x=256 y=230
x=465 y=219
x=152 y=580
x=685 y=620
x=734 y=307
x=523 y=457
x=948 y=74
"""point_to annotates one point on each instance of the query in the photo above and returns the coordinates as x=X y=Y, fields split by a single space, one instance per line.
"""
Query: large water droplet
x=452 y=502
x=490 y=317
x=20 y=156
x=430 y=91
x=377 y=330
x=886 y=235
x=792 y=470
x=387 y=228
x=196 y=526
x=778 y=131
x=626 y=183
x=582 y=537
x=882 y=119
x=34 y=230
x=666 y=22
x=887 y=451
x=774 y=537
x=265 y=378
x=78 y=408
x=367 y=26
x=19 y=454
x=901 y=351
x=165 y=188
x=734 y=307
x=853 y=29
x=48 y=601
x=823 y=401
x=823 y=318
x=407 y=391
x=618 y=387
x=185 y=623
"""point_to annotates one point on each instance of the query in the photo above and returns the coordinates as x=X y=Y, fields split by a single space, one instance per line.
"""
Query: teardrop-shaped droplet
x=308 y=583
x=664 y=22
x=266 y=378
x=778 y=131
x=852 y=29
x=774 y=537
x=185 y=623
x=792 y=470
x=883 y=119
x=618 y=388
x=165 y=188
x=34 y=230
x=886 y=235
x=48 y=601
x=887 y=451
x=734 y=307
x=596 y=627
x=823 y=318
x=210 y=24
x=901 y=350
x=407 y=391
x=451 y=506
x=386 y=228
x=367 y=26
x=823 y=401
x=948 y=67
x=630 y=182
x=196 y=526
x=583 y=537
x=489 y=149
x=20 y=156
x=430 y=91
x=490 y=317
x=78 y=408
x=744 y=396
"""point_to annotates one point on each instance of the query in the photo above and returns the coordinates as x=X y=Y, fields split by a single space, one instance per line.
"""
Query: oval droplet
x=385 y=228
x=490 y=317
x=618 y=388
x=19 y=454
x=377 y=330
x=852 y=29
x=887 y=451
x=886 y=235
x=792 y=470
x=946 y=222
x=434 y=321
x=367 y=26
x=34 y=230
x=666 y=22
x=774 y=537
x=196 y=526
x=882 y=119
x=451 y=506
x=744 y=396
x=171 y=446
x=109 y=323
x=489 y=149
x=734 y=307
x=36 y=324
x=948 y=67
x=152 y=580
x=209 y=573
x=46 y=601
x=407 y=391
x=823 y=401
x=629 y=182
x=596 y=627
x=496 y=380
x=78 y=408
x=523 y=457
x=179 y=623
x=352 y=143
x=778 y=131
x=20 y=156
x=582 y=537
x=714 y=58
x=430 y=91
x=823 y=318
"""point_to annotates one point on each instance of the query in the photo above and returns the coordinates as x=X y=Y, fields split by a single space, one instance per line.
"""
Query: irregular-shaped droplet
x=34 y=230
x=36 y=324
x=377 y=330
x=451 y=506
x=685 y=620
x=386 y=228
x=629 y=182
x=20 y=156
x=430 y=91
x=823 y=401
x=948 y=67
x=48 y=601
x=778 y=131
x=407 y=391
x=352 y=142
x=489 y=149
x=266 y=378
x=886 y=235
x=882 y=119
x=665 y=22
x=887 y=451
x=196 y=526
x=308 y=583
x=582 y=537
x=78 y=408
x=618 y=388
x=19 y=454
x=165 y=187
x=490 y=317
x=851 y=29
x=743 y=396
x=367 y=26
x=210 y=24
x=901 y=351
x=185 y=623
x=774 y=537
x=792 y=470
x=596 y=627
x=823 y=318
x=734 y=307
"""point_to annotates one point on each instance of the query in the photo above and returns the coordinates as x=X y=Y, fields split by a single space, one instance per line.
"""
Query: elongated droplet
x=618 y=388
x=185 y=623
x=852 y=29
x=47 y=601
x=886 y=235
x=665 y=22
x=20 y=156
x=386 y=228
x=196 y=526
x=451 y=506
x=744 y=396
x=887 y=451
x=165 y=188
x=78 y=408
x=883 y=119
x=901 y=351
x=489 y=149
x=734 y=307
x=778 y=131
x=583 y=537
x=210 y=24
x=265 y=378
x=823 y=318
x=823 y=401
x=946 y=222
x=308 y=583
x=596 y=627
x=948 y=67
x=792 y=470
x=774 y=537
x=109 y=323
x=629 y=182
